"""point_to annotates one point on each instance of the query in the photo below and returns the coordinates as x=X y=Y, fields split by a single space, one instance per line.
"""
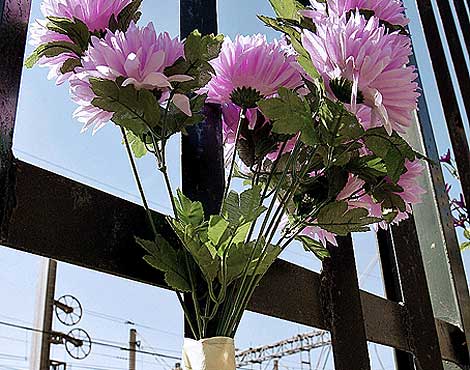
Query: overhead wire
x=94 y=342
x=125 y=321
x=89 y=178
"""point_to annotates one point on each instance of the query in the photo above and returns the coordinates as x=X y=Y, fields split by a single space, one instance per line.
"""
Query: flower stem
x=137 y=180
x=186 y=313
x=237 y=305
x=164 y=170
x=232 y=164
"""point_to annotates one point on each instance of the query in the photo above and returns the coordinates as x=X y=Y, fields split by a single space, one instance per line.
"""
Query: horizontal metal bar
x=60 y=218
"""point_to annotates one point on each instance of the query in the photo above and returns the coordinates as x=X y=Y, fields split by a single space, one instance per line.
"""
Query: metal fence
x=426 y=317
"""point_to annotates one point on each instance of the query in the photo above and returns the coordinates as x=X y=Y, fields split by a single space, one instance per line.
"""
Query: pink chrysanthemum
x=94 y=13
x=140 y=56
x=390 y=11
x=412 y=191
x=251 y=62
x=359 y=52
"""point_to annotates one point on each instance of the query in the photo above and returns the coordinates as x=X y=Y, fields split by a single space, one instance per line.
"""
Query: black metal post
x=342 y=308
x=202 y=152
x=414 y=287
x=464 y=21
x=446 y=88
x=391 y=279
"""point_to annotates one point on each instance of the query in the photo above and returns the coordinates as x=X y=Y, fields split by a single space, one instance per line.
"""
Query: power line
x=6 y=356
x=94 y=342
x=124 y=321
x=155 y=358
x=89 y=178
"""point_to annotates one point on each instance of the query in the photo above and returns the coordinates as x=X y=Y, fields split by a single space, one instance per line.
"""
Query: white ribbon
x=216 y=353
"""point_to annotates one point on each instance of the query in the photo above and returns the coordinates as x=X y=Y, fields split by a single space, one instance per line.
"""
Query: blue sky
x=48 y=136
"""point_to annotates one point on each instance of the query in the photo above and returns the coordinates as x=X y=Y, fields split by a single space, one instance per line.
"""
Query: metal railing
x=421 y=262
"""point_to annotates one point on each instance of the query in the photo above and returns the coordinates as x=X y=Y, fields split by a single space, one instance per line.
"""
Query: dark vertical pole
x=50 y=282
x=425 y=134
x=444 y=83
x=403 y=360
x=456 y=51
x=419 y=313
x=202 y=151
x=464 y=21
x=342 y=308
x=14 y=16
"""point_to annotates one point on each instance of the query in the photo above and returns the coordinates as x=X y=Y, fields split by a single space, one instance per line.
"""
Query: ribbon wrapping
x=216 y=353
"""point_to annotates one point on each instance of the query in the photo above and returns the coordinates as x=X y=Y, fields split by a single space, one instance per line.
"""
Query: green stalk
x=275 y=221
x=235 y=307
x=263 y=197
x=164 y=170
x=137 y=180
x=232 y=165
x=186 y=313
x=194 y=297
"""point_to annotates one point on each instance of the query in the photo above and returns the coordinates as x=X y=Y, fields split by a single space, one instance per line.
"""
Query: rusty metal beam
x=391 y=279
x=14 y=16
x=342 y=310
x=57 y=217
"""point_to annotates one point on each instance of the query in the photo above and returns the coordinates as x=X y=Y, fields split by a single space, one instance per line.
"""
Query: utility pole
x=276 y=365
x=177 y=366
x=44 y=362
x=133 y=348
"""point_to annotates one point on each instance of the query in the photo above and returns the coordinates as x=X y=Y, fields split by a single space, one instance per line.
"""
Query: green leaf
x=250 y=208
x=198 y=48
x=163 y=257
x=232 y=207
x=290 y=114
x=288 y=9
x=135 y=110
x=393 y=149
x=295 y=38
x=128 y=14
x=189 y=212
x=389 y=196
x=137 y=145
x=217 y=231
x=337 y=218
x=70 y=65
x=337 y=125
x=311 y=245
x=238 y=257
x=198 y=51
x=52 y=49
x=244 y=208
x=202 y=252
x=74 y=28
x=271 y=253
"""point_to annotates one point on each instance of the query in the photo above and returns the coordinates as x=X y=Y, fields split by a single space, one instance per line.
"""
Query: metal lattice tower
x=298 y=344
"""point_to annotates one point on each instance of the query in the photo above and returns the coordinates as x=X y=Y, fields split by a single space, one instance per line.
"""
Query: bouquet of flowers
x=312 y=124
